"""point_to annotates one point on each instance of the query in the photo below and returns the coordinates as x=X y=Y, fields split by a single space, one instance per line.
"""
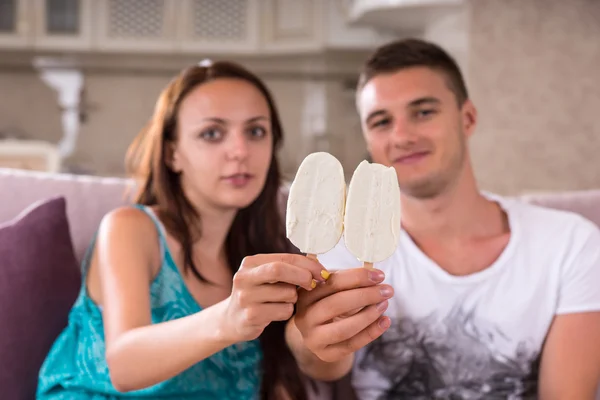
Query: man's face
x=411 y=120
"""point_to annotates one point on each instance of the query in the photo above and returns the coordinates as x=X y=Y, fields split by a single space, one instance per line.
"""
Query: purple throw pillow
x=39 y=281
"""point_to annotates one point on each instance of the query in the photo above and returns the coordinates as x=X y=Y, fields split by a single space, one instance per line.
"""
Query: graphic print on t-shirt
x=452 y=358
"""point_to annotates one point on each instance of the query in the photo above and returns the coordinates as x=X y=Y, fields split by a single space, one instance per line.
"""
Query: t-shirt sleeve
x=580 y=279
x=339 y=258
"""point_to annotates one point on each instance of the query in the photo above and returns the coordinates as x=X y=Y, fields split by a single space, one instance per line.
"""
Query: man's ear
x=469 y=118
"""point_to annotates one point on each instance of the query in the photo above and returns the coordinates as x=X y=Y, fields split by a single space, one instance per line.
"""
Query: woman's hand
x=265 y=290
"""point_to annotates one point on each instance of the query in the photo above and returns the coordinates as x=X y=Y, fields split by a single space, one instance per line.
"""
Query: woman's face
x=224 y=144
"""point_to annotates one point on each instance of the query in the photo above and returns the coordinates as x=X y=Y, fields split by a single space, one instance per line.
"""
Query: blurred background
x=79 y=78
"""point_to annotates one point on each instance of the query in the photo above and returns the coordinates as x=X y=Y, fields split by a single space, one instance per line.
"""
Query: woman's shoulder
x=129 y=216
x=130 y=223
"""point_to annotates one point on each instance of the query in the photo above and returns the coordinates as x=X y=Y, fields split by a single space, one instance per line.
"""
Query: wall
x=292 y=46
x=534 y=74
x=532 y=67
x=120 y=95
x=27 y=105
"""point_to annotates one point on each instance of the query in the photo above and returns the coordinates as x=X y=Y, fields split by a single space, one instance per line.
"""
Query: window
x=8 y=16
x=62 y=16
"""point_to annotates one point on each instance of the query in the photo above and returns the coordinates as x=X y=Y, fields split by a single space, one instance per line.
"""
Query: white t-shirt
x=478 y=336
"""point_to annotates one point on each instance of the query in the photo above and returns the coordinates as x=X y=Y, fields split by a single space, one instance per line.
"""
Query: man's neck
x=461 y=212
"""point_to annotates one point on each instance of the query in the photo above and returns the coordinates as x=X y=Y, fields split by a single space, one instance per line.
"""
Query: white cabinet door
x=136 y=25
x=15 y=24
x=63 y=24
x=292 y=25
x=218 y=26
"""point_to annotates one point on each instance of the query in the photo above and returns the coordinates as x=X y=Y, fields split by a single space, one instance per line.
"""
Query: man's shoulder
x=545 y=222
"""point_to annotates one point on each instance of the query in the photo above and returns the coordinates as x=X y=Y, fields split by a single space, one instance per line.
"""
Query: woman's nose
x=238 y=148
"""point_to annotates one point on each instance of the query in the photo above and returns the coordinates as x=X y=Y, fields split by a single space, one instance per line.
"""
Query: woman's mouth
x=238 y=180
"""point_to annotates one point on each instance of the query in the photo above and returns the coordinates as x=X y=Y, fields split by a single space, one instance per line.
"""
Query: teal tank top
x=76 y=368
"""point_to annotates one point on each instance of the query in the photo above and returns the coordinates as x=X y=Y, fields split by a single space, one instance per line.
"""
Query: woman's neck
x=214 y=228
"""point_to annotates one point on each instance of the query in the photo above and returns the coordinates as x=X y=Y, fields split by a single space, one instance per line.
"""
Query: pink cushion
x=39 y=281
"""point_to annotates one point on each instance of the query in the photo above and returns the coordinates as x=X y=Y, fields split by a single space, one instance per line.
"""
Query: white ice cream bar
x=315 y=207
x=372 y=219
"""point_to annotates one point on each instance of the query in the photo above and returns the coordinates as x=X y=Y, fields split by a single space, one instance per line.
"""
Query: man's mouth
x=411 y=158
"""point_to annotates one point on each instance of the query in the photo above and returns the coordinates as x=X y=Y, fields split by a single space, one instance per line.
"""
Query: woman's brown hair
x=256 y=229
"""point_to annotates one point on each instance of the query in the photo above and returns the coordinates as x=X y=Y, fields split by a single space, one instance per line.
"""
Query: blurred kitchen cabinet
x=292 y=25
x=186 y=27
x=15 y=24
x=62 y=24
x=218 y=26
x=29 y=155
x=136 y=25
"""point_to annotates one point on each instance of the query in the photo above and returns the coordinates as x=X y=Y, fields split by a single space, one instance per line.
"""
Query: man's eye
x=425 y=113
x=381 y=123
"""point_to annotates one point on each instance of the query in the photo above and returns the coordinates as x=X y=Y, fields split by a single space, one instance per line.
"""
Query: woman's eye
x=257 y=132
x=210 y=134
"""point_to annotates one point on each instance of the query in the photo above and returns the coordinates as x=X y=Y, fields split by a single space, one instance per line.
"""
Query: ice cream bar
x=315 y=206
x=372 y=215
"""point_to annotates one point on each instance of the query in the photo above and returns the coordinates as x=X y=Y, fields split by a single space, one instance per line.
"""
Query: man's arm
x=311 y=365
x=570 y=366
x=335 y=319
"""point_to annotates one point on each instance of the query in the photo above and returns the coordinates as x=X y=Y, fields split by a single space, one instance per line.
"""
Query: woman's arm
x=139 y=353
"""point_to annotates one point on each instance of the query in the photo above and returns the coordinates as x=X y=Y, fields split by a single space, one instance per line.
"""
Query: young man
x=492 y=298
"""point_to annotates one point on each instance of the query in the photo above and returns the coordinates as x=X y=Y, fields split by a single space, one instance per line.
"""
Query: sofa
x=46 y=223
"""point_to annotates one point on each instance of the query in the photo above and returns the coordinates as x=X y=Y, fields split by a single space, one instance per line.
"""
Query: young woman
x=186 y=293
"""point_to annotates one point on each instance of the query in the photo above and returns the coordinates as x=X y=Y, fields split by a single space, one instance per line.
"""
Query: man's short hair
x=407 y=53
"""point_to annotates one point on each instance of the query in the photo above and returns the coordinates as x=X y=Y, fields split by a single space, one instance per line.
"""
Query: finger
x=318 y=271
x=349 y=313
x=268 y=293
x=263 y=314
x=344 y=329
x=341 y=281
x=281 y=272
x=345 y=302
x=358 y=341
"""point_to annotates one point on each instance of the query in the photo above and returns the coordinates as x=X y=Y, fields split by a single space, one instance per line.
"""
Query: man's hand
x=343 y=314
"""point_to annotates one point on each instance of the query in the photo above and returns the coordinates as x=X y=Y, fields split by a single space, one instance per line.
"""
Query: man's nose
x=402 y=132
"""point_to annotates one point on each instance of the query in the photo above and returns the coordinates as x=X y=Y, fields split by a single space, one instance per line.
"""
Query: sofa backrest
x=88 y=198
x=583 y=202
